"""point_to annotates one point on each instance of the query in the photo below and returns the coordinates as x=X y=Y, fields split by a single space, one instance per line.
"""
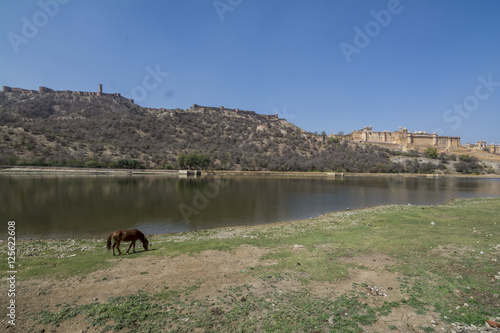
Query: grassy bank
x=312 y=275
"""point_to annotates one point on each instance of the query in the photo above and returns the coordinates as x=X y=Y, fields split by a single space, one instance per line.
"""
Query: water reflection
x=89 y=206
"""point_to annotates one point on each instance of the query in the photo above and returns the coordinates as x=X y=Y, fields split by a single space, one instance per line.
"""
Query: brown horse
x=127 y=236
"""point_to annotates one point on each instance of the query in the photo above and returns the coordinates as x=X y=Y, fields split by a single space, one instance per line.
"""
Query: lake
x=49 y=206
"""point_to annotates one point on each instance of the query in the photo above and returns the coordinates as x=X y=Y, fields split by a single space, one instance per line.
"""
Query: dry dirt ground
x=215 y=270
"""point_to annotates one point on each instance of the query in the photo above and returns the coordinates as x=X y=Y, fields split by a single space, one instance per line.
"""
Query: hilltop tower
x=100 y=90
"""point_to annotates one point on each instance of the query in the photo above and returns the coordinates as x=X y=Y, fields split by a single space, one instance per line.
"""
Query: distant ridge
x=45 y=127
x=195 y=107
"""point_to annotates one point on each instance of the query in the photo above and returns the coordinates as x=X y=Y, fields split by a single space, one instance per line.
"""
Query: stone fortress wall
x=406 y=140
x=222 y=109
x=45 y=90
x=195 y=107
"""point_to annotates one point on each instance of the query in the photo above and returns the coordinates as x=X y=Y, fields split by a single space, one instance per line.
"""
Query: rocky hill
x=87 y=129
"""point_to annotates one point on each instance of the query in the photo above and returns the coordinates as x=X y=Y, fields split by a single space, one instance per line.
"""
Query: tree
x=466 y=158
x=193 y=160
x=203 y=160
x=432 y=152
x=181 y=160
x=127 y=164
x=12 y=160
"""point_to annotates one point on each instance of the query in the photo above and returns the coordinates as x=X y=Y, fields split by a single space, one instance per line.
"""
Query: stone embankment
x=95 y=171
x=82 y=171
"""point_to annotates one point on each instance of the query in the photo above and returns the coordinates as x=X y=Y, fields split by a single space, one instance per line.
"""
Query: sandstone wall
x=416 y=140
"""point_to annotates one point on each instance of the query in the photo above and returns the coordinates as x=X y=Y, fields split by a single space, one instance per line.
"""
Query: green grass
x=60 y=259
x=441 y=266
x=237 y=309
x=317 y=265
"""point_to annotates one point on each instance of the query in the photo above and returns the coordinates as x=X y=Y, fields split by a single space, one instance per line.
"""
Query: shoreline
x=33 y=170
x=237 y=229
x=327 y=263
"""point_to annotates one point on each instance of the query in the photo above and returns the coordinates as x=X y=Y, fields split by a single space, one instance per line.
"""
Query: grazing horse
x=127 y=236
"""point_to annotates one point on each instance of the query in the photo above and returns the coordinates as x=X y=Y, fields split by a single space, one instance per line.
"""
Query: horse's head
x=145 y=244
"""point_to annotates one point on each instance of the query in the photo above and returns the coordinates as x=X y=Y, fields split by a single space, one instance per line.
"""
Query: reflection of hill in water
x=93 y=206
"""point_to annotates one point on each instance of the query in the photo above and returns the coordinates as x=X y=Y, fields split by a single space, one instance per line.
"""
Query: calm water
x=93 y=206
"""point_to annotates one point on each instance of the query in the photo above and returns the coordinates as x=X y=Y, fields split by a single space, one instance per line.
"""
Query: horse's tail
x=109 y=241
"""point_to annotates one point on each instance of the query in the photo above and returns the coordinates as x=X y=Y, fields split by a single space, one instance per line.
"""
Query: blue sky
x=323 y=65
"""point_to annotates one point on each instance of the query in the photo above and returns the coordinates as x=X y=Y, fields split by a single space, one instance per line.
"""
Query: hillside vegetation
x=64 y=128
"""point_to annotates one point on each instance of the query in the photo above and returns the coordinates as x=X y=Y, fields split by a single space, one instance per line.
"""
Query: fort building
x=419 y=140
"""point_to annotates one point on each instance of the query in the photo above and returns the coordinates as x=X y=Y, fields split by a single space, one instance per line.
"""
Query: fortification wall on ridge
x=45 y=90
x=197 y=107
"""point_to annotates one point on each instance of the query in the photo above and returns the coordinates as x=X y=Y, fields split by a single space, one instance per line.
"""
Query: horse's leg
x=114 y=244
x=118 y=248
x=131 y=243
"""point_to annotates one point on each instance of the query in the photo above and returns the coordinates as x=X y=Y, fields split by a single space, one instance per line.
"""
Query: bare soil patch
x=214 y=271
